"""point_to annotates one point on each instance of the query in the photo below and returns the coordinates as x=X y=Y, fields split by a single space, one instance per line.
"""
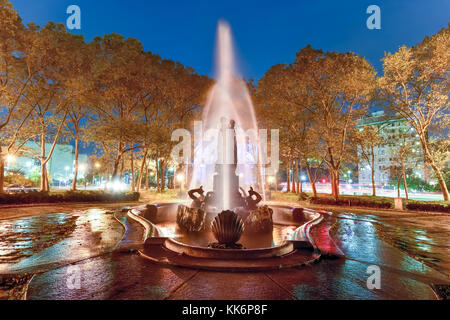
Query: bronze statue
x=251 y=203
x=197 y=201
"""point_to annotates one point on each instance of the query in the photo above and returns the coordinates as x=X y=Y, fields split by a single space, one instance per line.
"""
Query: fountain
x=230 y=110
x=228 y=219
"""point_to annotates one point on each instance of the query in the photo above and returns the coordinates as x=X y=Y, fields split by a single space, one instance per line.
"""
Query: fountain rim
x=285 y=248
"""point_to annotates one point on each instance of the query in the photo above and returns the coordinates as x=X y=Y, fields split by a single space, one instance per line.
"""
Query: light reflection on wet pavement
x=426 y=238
x=24 y=237
x=92 y=232
x=366 y=239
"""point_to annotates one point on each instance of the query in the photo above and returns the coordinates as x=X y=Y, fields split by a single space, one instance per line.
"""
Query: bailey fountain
x=227 y=224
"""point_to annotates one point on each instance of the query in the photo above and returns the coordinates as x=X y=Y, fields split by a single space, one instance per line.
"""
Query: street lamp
x=180 y=179
x=10 y=159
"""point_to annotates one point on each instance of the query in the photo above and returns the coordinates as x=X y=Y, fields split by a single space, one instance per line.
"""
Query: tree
x=83 y=96
x=332 y=90
x=415 y=84
x=18 y=64
x=404 y=159
x=50 y=91
x=368 y=139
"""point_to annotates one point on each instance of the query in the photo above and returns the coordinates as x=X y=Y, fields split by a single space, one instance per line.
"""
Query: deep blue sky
x=266 y=32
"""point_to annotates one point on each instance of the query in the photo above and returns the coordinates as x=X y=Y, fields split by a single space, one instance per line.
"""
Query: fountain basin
x=232 y=254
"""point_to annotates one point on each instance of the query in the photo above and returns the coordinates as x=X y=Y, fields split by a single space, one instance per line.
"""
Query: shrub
x=69 y=196
x=17 y=179
x=303 y=196
x=355 y=201
x=428 y=206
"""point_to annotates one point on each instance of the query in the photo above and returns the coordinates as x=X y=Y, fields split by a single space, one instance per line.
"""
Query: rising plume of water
x=228 y=99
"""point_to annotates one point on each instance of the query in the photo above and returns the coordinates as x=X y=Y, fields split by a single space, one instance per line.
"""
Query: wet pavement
x=51 y=240
x=424 y=240
x=411 y=251
x=21 y=238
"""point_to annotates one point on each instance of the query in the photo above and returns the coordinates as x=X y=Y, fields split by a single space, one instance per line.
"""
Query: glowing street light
x=10 y=159
x=180 y=179
x=271 y=179
x=98 y=165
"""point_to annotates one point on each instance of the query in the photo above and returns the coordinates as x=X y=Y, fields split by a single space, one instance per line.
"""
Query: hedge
x=382 y=203
x=69 y=196
x=355 y=201
x=427 y=206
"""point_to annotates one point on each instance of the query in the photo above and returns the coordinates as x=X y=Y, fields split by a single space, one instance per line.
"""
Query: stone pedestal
x=398 y=204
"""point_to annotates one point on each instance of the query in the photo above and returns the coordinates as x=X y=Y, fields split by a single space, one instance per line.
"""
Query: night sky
x=266 y=32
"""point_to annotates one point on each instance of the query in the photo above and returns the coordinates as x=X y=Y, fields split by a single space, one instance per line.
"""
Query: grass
x=153 y=196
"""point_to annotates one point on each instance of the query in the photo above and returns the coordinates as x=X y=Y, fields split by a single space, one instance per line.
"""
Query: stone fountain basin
x=287 y=236
x=233 y=254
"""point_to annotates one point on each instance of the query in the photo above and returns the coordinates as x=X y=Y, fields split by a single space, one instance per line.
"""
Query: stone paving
x=123 y=274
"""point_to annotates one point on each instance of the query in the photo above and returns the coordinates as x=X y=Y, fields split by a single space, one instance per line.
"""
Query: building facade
x=391 y=130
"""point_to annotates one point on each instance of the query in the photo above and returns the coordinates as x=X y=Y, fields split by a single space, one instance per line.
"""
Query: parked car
x=14 y=188
x=29 y=188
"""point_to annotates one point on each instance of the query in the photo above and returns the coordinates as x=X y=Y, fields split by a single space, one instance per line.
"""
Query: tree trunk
x=116 y=167
x=398 y=187
x=311 y=180
x=298 y=176
x=334 y=177
x=163 y=178
x=75 y=174
x=294 y=189
x=43 y=165
x=404 y=180
x=133 y=187
x=374 y=191
x=147 y=177
x=44 y=178
x=158 y=185
x=288 y=176
x=2 y=171
x=436 y=170
x=141 y=171
x=122 y=165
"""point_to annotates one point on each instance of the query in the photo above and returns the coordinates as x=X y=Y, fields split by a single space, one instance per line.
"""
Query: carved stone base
x=217 y=245
x=259 y=220
x=190 y=219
